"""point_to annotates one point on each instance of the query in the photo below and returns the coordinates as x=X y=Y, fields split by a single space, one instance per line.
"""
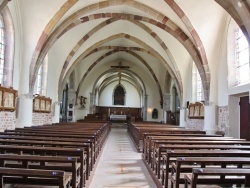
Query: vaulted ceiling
x=154 y=38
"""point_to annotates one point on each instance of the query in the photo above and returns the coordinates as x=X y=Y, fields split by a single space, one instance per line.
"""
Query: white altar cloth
x=118 y=117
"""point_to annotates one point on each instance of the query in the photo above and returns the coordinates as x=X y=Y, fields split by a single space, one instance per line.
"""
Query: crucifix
x=119 y=69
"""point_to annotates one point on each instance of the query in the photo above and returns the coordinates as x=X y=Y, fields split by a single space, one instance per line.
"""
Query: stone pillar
x=56 y=112
x=24 y=110
x=166 y=105
x=145 y=108
x=210 y=121
x=91 y=103
x=183 y=115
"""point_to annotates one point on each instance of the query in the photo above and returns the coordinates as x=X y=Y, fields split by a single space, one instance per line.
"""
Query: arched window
x=119 y=95
x=197 y=85
x=2 y=49
x=241 y=57
x=237 y=56
x=41 y=87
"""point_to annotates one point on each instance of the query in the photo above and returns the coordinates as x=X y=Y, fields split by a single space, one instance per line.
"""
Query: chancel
x=124 y=93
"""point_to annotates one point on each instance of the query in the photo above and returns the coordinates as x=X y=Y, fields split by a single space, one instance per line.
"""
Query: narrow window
x=2 y=49
x=119 y=95
x=241 y=57
x=41 y=87
x=197 y=85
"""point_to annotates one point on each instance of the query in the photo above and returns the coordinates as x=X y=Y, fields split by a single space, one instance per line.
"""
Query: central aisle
x=120 y=165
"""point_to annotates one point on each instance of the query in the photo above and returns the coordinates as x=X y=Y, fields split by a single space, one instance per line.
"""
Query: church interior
x=103 y=72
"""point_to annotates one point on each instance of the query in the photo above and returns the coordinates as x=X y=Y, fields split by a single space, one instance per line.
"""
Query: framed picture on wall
x=8 y=99
x=1 y=99
x=48 y=105
x=191 y=111
x=42 y=104
x=196 y=111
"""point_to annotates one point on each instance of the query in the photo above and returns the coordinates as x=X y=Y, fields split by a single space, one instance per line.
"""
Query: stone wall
x=41 y=118
x=7 y=120
x=195 y=124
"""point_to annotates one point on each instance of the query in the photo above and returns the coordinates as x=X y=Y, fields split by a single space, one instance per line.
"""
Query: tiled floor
x=120 y=165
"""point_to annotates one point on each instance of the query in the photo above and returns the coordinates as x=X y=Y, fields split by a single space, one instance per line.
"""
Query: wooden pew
x=153 y=141
x=34 y=177
x=137 y=136
x=202 y=162
x=171 y=155
x=147 y=137
x=199 y=177
x=163 y=148
x=52 y=151
x=68 y=164
x=44 y=143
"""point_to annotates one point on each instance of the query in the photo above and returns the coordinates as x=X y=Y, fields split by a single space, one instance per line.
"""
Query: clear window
x=241 y=57
x=1 y=50
x=41 y=87
x=197 y=85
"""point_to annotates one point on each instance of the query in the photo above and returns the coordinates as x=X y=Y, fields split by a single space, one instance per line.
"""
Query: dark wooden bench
x=218 y=176
x=155 y=141
x=44 y=143
x=157 y=156
x=67 y=164
x=52 y=151
x=171 y=156
x=34 y=177
x=186 y=164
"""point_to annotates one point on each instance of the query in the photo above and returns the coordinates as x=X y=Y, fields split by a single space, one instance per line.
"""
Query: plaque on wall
x=7 y=99
x=196 y=111
x=42 y=104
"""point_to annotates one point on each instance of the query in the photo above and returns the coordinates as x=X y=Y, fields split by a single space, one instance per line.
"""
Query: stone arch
x=123 y=35
x=138 y=81
x=124 y=49
x=163 y=23
x=107 y=22
x=239 y=11
x=119 y=95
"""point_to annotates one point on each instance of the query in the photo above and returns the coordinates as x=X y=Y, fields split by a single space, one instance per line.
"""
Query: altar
x=118 y=117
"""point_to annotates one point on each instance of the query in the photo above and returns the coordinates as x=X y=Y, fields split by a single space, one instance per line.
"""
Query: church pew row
x=67 y=164
x=163 y=148
x=150 y=140
x=137 y=132
x=168 y=145
x=34 y=177
x=184 y=165
x=151 y=155
x=63 y=137
x=51 y=151
x=98 y=134
x=208 y=176
x=171 y=156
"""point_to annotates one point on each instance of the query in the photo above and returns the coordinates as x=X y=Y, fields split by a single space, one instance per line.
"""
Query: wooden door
x=244 y=117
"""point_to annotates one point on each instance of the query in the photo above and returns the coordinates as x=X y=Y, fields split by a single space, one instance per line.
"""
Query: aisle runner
x=120 y=166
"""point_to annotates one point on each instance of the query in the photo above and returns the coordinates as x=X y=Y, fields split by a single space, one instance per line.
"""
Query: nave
x=120 y=165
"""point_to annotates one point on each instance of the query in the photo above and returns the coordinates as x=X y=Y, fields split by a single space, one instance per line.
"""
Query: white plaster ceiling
x=36 y=14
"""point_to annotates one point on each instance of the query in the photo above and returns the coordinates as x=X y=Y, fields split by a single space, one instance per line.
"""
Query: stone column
x=91 y=103
x=24 y=110
x=145 y=108
x=210 y=121
x=56 y=112
x=166 y=105
x=183 y=114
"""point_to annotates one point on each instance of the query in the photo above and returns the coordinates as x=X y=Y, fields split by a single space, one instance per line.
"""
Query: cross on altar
x=120 y=67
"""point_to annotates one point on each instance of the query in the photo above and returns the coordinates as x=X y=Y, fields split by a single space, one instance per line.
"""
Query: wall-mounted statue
x=82 y=101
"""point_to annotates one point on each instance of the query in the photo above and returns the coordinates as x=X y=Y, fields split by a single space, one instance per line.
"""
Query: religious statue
x=82 y=101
